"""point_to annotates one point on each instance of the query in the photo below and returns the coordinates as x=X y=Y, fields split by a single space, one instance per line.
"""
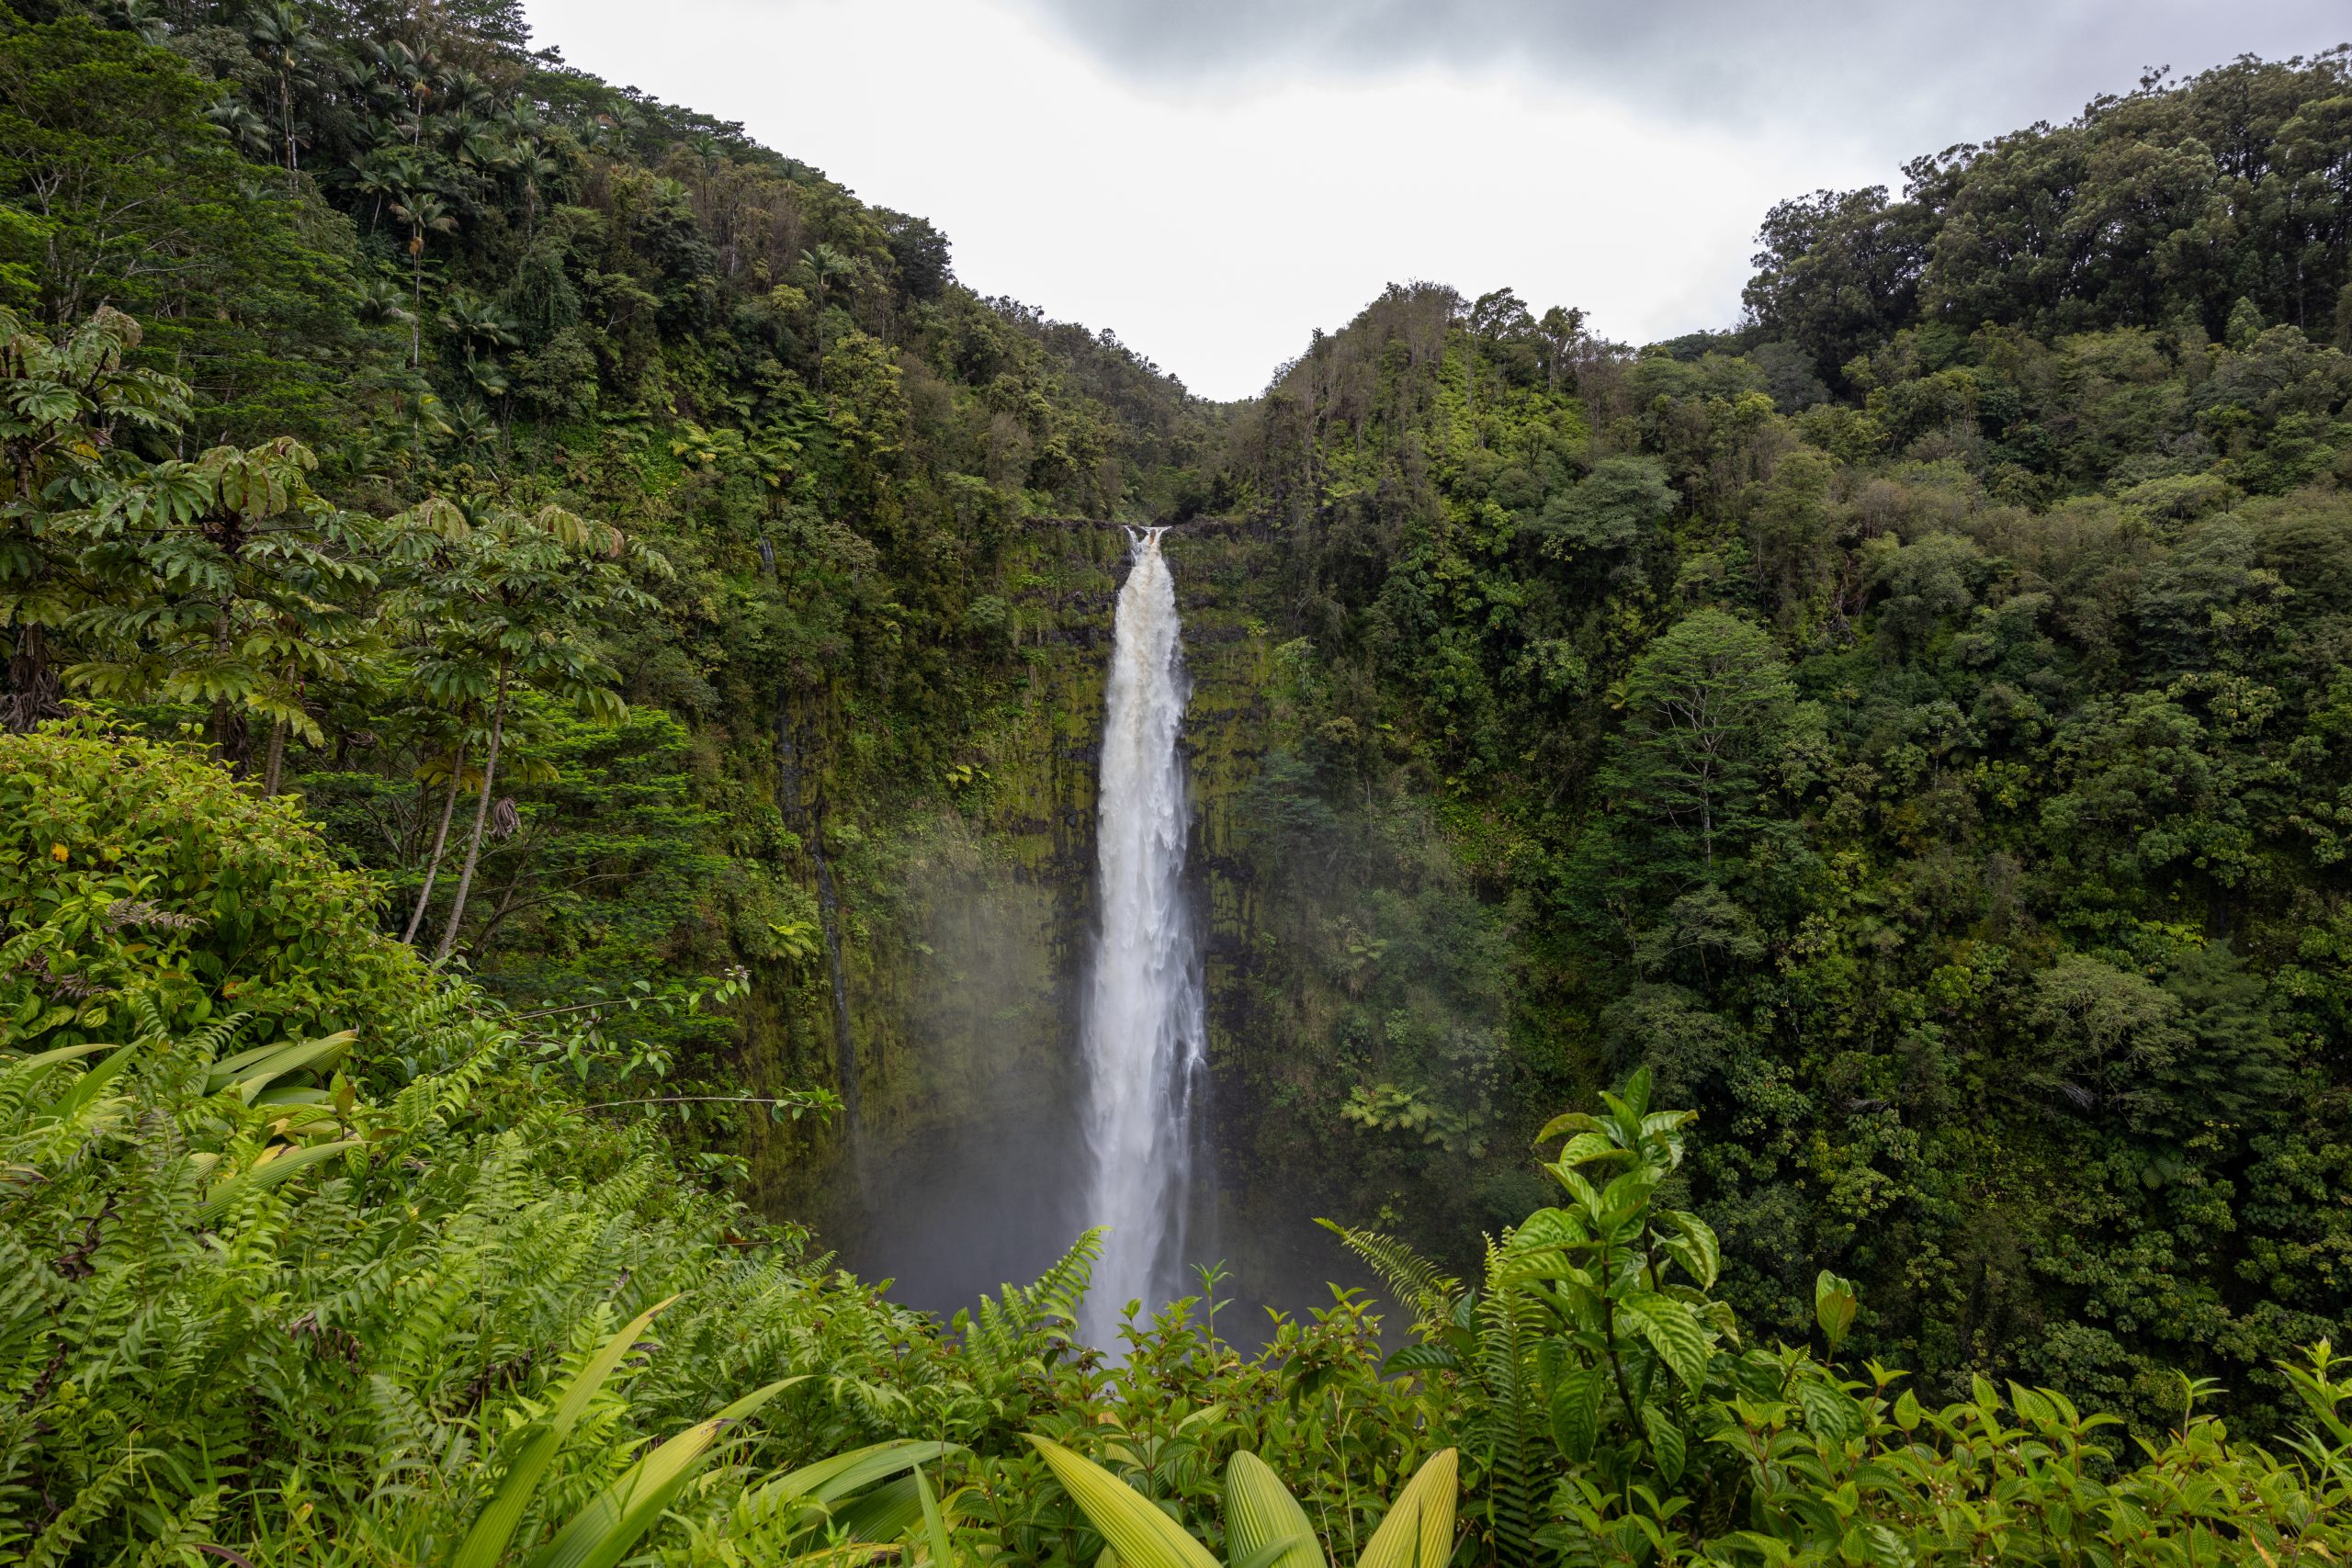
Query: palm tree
x=281 y=36
x=134 y=17
x=473 y=143
x=384 y=172
x=470 y=91
x=532 y=169
x=242 y=126
x=377 y=299
x=424 y=214
x=824 y=264
x=473 y=320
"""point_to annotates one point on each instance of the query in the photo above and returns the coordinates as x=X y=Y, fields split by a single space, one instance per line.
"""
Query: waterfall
x=1144 y=1038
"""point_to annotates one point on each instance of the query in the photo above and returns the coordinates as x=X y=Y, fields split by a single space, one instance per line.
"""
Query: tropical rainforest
x=1787 y=892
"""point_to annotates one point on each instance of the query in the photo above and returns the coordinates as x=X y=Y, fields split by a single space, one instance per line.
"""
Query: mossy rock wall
x=967 y=933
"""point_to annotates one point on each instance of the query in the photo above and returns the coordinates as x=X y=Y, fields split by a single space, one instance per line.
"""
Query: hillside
x=556 y=657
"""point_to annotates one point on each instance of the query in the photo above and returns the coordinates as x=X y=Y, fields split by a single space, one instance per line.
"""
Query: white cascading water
x=1144 y=1040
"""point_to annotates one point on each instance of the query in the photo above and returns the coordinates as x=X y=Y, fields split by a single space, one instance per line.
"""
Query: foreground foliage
x=371 y=1290
x=1620 y=1415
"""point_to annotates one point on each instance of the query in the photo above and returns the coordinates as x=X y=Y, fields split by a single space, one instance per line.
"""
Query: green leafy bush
x=1616 y=1413
x=127 y=862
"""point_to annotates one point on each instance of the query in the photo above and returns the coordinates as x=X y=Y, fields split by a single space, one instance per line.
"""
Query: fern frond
x=1419 y=1285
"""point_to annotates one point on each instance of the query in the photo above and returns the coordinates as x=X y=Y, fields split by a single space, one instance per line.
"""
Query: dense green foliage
x=493 y=297
x=1939 y=784
x=1910 y=727
x=232 y=1273
x=311 y=1297
x=311 y=1302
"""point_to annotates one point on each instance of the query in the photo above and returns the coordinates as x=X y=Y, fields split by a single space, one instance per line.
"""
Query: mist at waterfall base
x=990 y=1194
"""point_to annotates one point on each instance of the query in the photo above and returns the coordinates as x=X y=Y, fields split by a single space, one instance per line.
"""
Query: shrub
x=138 y=861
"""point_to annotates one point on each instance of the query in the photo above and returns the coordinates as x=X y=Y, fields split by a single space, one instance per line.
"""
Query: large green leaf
x=602 y=1532
x=1834 y=1302
x=1586 y=1147
x=846 y=1475
x=486 y=1543
x=1419 y=1530
x=880 y=1514
x=84 y=1089
x=1829 y=1410
x=1576 y=1411
x=259 y=1178
x=1423 y=1358
x=50 y=1058
x=1264 y=1525
x=1694 y=1246
x=252 y=1071
x=1136 y=1529
x=1681 y=1341
x=934 y=1524
x=1666 y=1442
x=1570 y=1121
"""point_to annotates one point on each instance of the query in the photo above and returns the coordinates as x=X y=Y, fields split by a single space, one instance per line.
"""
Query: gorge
x=1878 y=767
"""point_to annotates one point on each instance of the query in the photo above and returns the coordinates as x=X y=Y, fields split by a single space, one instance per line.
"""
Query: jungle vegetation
x=494 y=567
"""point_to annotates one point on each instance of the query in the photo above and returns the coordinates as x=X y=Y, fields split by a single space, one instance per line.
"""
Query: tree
x=825 y=267
x=1562 y=329
x=515 y=600
x=70 y=414
x=119 y=190
x=229 y=582
x=1608 y=510
x=1704 y=707
x=1839 y=272
x=532 y=171
x=921 y=253
x=281 y=37
x=424 y=214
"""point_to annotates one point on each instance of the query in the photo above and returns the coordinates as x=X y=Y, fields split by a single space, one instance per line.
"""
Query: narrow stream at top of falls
x=1144 y=1041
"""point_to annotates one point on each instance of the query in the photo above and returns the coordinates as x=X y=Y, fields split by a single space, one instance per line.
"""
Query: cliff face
x=966 y=934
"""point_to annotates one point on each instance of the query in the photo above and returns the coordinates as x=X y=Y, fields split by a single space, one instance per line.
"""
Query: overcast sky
x=1214 y=178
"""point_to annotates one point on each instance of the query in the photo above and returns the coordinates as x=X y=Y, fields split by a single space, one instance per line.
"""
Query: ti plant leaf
x=1419 y=1530
x=1264 y=1525
x=1135 y=1529
x=486 y=1543
x=262 y=1177
x=610 y=1523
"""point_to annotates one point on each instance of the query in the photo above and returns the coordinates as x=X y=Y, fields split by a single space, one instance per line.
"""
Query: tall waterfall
x=1144 y=1040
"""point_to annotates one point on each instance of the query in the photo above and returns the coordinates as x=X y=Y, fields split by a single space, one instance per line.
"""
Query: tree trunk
x=481 y=821
x=440 y=842
x=34 y=691
x=220 y=705
x=277 y=758
x=286 y=113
